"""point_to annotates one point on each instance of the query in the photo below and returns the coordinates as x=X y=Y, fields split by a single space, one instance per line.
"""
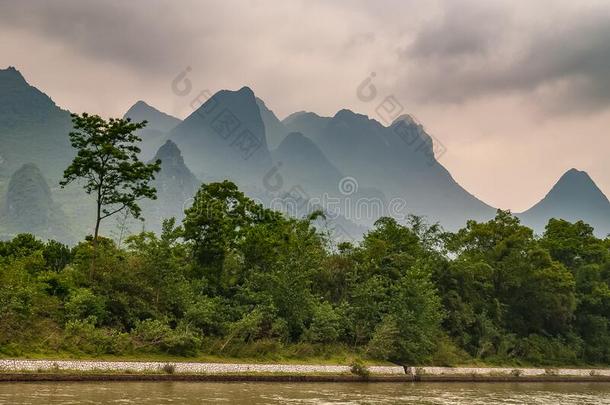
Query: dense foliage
x=236 y=279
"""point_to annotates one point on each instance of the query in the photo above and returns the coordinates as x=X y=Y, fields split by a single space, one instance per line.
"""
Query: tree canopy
x=237 y=279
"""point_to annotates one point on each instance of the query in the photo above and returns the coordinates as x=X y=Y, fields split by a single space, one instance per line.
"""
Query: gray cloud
x=484 y=51
x=141 y=35
x=465 y=29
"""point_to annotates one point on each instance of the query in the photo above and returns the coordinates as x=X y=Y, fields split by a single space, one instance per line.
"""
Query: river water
x=303 y=393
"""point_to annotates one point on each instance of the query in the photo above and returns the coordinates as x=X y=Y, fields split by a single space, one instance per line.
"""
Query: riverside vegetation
x=236 y=279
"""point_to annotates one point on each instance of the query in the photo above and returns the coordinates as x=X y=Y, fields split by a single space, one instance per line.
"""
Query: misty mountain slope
x=309 y=124
x=398 y=160
x=28 y=207
x=275 y=131
x=225 y=139
x=302 y=163
x=574 y=197
x=156 y=130
x=32 y=128
x=176 y=185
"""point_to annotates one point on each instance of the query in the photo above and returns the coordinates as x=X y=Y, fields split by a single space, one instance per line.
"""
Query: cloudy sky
x=517 y=91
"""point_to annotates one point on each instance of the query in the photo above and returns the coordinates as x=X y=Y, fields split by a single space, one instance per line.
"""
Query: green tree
x=502 y=283
x=218 y=222
x=588 y=258
x=107 y=160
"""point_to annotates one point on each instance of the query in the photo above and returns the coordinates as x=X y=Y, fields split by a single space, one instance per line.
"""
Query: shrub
x=358 y=368
x=448 y=353
x=550 y=372
x=384 y=344
x=83 y=336
x=325 y=325
x=181 y=342
x=169 y=368
x=154 y=335
x=84 y=304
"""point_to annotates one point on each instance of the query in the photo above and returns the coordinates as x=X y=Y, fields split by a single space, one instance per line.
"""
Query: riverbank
x=75 y=370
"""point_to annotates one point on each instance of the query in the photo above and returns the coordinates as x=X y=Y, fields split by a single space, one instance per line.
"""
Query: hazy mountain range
x=349 y=164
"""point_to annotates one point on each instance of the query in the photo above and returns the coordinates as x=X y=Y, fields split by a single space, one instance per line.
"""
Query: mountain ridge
x=315 y=152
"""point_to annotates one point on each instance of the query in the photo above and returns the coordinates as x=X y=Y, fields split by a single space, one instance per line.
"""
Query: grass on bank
x=301 y=354
x=257 y=353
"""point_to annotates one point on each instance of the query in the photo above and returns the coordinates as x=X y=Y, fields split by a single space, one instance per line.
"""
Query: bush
x=206 y=314
x=325 y=325
x=448 y=353
x=169 y=368
x=542 y=350
x=181 y=342
x=84 y=304
x=154 y=335
x=384 y=344
x=83 y=336
x=358 y=368
x=150 y=334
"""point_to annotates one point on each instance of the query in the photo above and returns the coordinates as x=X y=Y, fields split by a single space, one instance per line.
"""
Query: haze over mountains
x=32 y=127
x=365 y=168
x=225 y=138
x=28 y=207
x=176 y=185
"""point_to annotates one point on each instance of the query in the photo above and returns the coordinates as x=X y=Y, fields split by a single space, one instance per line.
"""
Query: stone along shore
x=31 y=370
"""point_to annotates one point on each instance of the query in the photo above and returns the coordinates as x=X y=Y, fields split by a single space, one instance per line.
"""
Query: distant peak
x=408 y=118
x=170 y=155
x=12 y=73
x=169 y=148
x=157 y=119
x=576 y=185
x=139 y=107
x=575 y=175
x=296 y=141
x=247 y=90
x=28 y=172
x=243 y=94
x=29 y=167
x=300 y=114
x=576 y=172
x=259 y=101
x=346 y=114
x=295 y=136
x=142 y=104
x=297 y=144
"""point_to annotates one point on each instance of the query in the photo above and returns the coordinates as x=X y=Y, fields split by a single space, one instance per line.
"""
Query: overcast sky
x=518 y=92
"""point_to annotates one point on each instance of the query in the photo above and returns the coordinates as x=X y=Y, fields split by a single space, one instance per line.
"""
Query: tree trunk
x=98 y=219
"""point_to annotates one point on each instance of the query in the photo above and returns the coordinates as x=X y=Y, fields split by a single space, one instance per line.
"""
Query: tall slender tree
x=107 y=162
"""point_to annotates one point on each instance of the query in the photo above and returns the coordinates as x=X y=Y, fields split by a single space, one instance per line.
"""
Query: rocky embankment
x=182 y=367
x=30 y=370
